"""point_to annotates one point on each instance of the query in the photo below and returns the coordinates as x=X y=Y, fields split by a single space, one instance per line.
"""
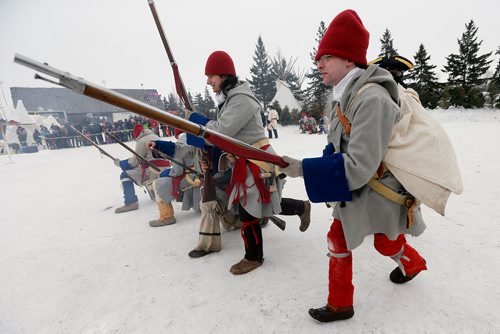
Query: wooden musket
x=81 y=86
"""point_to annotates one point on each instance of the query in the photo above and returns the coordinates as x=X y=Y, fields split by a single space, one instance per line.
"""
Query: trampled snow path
x=69 y=264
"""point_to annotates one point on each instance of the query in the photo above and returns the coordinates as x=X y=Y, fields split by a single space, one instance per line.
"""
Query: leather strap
x=408 y=201
x=346 y=124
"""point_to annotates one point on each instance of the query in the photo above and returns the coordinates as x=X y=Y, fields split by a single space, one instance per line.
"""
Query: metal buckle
x=409 y=201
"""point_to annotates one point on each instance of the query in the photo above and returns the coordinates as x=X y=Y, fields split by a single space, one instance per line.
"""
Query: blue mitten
x=124 y=165
x=198 y=118
x=328 y=150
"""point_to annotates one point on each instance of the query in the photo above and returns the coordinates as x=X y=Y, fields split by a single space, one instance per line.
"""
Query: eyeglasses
x=323 y=59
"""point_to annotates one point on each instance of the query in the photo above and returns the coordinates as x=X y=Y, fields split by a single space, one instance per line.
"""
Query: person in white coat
x=272 y=122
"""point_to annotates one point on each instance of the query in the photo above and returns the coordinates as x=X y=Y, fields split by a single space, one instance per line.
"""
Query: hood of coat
x=373 y=74
x=243 y=87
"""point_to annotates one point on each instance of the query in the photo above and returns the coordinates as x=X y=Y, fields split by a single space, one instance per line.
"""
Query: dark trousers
x=251 y=232
x=291 y=207
x=271 y=133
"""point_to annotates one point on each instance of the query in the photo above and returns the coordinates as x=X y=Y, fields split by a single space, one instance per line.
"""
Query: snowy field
x=69 y=264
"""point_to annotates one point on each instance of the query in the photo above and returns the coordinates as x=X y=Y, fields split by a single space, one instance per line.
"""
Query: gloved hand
x=117 y=162
x=294 y=168
x=150 y=145
x=187 y=113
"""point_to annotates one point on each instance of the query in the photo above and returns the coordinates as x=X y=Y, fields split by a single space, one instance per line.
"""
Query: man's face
x=215 y=81
x=333 y=69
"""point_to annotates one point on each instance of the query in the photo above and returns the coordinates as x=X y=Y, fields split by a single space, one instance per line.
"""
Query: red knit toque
x=219 y=63
x=346 y=38
x=137 y=130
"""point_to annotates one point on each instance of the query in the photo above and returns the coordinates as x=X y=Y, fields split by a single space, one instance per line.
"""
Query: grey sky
x=116 y=41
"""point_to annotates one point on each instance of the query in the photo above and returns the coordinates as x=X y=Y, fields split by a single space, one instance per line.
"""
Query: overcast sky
x=116 y=43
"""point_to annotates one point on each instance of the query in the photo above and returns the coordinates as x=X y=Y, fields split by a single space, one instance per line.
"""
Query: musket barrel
x=33 y=64
x=66 y=79
x=38 y=66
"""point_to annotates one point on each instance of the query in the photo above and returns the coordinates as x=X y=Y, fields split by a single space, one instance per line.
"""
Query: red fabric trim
x=251 y=224
x=176 y=184
x=263 y=190
x=340 y=287
x=238 y=181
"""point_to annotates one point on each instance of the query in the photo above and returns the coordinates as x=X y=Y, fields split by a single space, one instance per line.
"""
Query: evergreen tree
x=204 y=104
x=209 y=102
x=263 y=80
x=387 y=48
x=285 y=117
x=494 y=85
x=276 y=106
x=466 y=69
x=172 y=103
x=424 y=80
x=496 y=75
x=445 y=101
x=199 y=104
x=316 y=92
x=165 y=103
x=493 y=95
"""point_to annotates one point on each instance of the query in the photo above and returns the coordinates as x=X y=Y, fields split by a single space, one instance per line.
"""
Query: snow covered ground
x=69 y=264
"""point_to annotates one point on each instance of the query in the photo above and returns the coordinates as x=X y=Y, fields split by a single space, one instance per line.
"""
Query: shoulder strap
x=346 y=124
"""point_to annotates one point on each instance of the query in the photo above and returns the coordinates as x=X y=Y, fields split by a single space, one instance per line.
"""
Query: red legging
x=341 y=290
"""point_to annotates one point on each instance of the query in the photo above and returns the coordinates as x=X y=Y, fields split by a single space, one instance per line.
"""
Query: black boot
x=397 y=276
x=327 y=314
x=292 y=207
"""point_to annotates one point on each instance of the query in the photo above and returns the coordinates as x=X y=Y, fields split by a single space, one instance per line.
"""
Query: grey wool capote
x=240 y=118
x=372 y=114
x=135 y=173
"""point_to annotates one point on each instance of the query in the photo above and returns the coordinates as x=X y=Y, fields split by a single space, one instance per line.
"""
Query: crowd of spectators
x=64 y=136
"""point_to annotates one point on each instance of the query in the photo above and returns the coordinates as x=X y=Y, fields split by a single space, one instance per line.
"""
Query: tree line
x=471 y=82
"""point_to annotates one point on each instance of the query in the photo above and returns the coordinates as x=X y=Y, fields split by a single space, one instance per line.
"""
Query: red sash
x=239 y=177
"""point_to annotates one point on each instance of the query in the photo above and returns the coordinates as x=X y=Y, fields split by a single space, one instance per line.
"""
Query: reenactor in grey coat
x=133 y=171
x=176 y=181
x=351 y=159
x=255 y=189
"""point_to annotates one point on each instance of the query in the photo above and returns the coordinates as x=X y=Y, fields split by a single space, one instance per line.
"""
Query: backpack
x=419 y=154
